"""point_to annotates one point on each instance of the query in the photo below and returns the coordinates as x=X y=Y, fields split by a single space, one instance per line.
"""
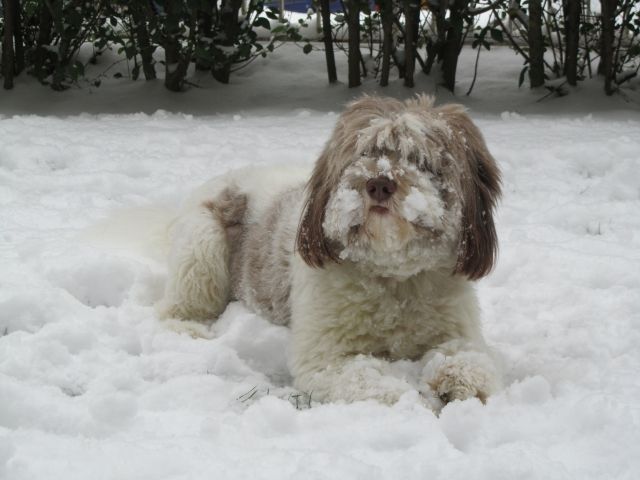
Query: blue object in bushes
x=303 y=6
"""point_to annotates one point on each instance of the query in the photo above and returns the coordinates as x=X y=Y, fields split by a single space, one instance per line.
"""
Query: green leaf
x=634 y=50
x=262 y=22
x=496 y=34
x=130 y=52
x=271 y=14
x=307 y=48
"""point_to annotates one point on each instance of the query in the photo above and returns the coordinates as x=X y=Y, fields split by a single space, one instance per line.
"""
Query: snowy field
x=93 y=385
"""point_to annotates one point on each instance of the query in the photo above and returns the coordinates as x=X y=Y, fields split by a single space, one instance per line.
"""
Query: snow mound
x=93 y=385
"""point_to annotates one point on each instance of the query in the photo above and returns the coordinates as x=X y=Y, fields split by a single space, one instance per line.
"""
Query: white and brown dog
x=370 y=263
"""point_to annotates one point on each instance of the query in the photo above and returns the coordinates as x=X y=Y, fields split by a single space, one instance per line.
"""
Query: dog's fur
x=363 y=283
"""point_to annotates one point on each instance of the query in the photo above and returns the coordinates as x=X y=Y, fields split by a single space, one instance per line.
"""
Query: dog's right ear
x=311 y=242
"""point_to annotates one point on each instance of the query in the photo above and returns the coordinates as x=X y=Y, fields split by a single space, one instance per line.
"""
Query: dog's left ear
x=478 y=244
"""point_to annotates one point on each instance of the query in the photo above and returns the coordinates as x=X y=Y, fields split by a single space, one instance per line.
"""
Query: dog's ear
x=480 y=184
x=311 y=242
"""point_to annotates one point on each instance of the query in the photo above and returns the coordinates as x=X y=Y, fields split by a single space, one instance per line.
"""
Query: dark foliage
x=555 y=38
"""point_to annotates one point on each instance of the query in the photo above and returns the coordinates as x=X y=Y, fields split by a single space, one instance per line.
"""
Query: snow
x=343 y=212
x=428 y=208
x=93 y=385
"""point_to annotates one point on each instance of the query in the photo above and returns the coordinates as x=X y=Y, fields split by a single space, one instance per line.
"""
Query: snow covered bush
x=217 y=36
x=555 y=38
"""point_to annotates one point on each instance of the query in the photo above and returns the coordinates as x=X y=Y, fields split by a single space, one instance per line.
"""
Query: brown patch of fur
x=478 y=245
x=229 y=208
x=311 y=242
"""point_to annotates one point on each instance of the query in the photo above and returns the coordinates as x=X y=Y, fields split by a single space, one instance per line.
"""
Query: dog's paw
x=355 y=379
x=386 y=394
x=461 y=376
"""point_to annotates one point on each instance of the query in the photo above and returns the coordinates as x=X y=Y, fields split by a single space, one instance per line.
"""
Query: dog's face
x=402 y=188
x=392 y=213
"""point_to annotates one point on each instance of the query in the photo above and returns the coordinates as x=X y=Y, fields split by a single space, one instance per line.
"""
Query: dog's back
x=243 y=225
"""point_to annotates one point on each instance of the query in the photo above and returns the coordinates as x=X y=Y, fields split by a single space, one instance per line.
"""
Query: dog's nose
x=381 y=188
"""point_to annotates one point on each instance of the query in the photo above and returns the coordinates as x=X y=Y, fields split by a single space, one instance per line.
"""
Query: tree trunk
x=328 y=41
x=18 y=37
x=45 y=25
x=386 y=13
x=412 y=22
x=8 y=60
x=229 y=20
x=536 y=44
x=353 y=21
x=175 y=67
x=451 y=49
x=572 y=38
x=144 y=42
x=59 y=73
x=434 y=47
x=41 y=50
x=175 y=62
x=608 y=9
x=205 y=30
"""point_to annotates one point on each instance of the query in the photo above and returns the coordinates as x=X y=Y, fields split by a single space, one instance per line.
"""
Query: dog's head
x=402 y=187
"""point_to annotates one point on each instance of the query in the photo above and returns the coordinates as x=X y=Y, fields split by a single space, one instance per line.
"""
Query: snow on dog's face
x=400 y=188
x=393 y=213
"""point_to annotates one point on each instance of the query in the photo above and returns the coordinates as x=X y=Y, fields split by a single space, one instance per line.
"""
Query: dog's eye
x=418 y=161
x=424 y=167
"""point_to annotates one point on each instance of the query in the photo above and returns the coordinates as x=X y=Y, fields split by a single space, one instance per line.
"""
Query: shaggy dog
x=370 y=263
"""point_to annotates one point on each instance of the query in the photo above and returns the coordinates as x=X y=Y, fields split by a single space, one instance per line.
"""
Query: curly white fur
x=363 y=283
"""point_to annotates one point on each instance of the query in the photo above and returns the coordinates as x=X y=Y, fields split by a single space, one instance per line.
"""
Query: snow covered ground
x=93 y=385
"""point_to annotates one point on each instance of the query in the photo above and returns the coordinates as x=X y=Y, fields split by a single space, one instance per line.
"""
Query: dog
x=370 y=260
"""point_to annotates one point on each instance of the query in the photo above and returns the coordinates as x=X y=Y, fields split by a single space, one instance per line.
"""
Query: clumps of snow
x=384 y=166
x=7 y=451
x=424 y=207
x=116 y=409
x=23 y=311
x=257 y=351
x=510 y=115
x=101 y=281
x=270 y=417
x=344 y=211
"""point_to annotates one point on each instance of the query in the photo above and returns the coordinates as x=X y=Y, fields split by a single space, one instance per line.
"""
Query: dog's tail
x=142 y=232
x=189 y=242
x=198 y=284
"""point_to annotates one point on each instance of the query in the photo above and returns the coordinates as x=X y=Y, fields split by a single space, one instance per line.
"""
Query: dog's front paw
x=461 y=376
x=355 y=379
